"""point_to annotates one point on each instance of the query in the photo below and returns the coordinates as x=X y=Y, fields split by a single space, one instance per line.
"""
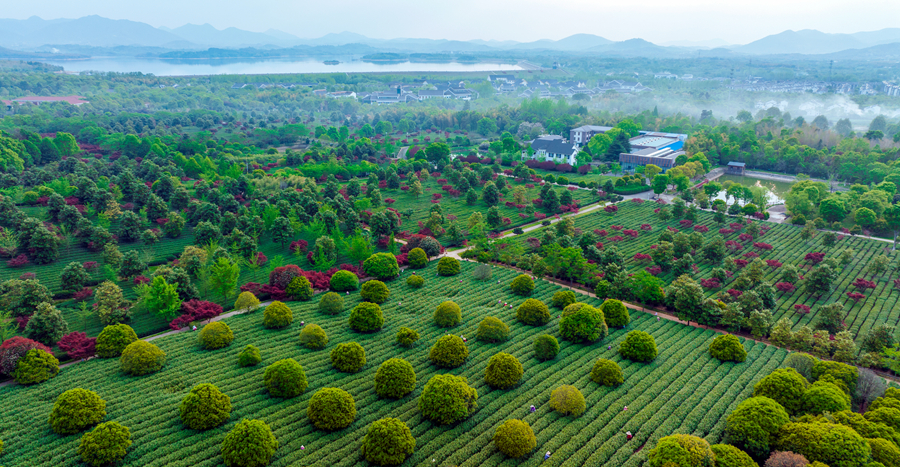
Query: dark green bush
x=277 y=315
x=842 y=371
x=567 y=400
x=582 y=323
x=375 y=292
x=205 y=407
x=366 y=317
x=312 y=336
x=533 y=313
x=447 y=314
x=36 y=366
x=216 y=335
x=344 y=281
x=142 y=358
x=388 y=442
x=250 y=443
x=784 y=386
x=515 y=438
x=615 y=313
x=730 y=456
x=834 y=445
x=406 y=337
x=415 y=281
x=727 y=348
x=449 y=352
x=331 y=303
x=448 y=266
x=683 y=451
x=491 y=329
x=331 y=409
x=522 y=285
x=299 y=289
x=638 y=346
x=395 y=378
x=607 y=373
x=447 y=399
x=825 y=397
x=285 y=379
x=249 y=356
x=382 y=266
x=417 y=258
x=753 y=426
x=545 y=347
x=802 y=362
x=105 y=444
x=563 y=298
x=884 y=451
x=113 y=339
x=75 y=410
x=503 y=371
x=348 y=357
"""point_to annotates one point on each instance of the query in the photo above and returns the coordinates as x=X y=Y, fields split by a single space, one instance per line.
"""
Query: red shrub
x=195 y=310
x=733 y=246
x=762 y=246
x=862 y=284
x=611 y=209
x=701 y=228
x=685 y=223
x=300 y=245
x=711 y=283
x=616 y=227
x=90 y=265
x=641 y=257
x=773 y=263
x=83 y=294
x=653 y=270
x=141 y=280
x=815 y=258
x=78 y=345
x=736 y=225
x=803 y=309
x=745 y=237
x=725 y=231
x=786 y=287
x=751 y=255
x=646 y=226
x=15 y=348
x=281 y=277
x=18 y=261
x=741 y=263
x=855 y=296
x=631 y=233
x=735 y=293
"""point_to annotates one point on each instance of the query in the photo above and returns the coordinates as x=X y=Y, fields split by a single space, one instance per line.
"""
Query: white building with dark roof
x=554 y=148
x=581 y=135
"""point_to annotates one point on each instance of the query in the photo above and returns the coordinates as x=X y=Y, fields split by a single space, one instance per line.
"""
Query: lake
x=183 y=67
x=776 y=189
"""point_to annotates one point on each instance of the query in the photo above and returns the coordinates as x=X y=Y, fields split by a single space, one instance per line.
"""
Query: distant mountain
x=89 y=30
x=707 y=44
x=811 y=41
x=574 y=42
x=879 y=52
x=208 y=35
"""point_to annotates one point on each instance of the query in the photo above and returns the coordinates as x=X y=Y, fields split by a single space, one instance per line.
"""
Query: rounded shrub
x=503 y=371
x=348 y=357
x=448 y=266
x=563 y=298
x=388 y=442
x=142 y=358
x=36 y=366
x=491 y=329
x=522 y=285
x=830 y=444
x=417 y=258
x=366 y=317
x=802 y=362
x=299 y=289
x=285 y=379
x=277 y=315
x=842 y=371
x=447 y=399
x=312 y=336
x=615 y=313
x=638 y=346
x=415 y=281
x=249 y=356
x=75 y=410
x=567 y=400
x=823 y=396
x=582 y=323
x=374 y=291
x=205 y=407
x=683 y=451
x=331 y=409
x=607 y=373
x=395 y=378
x=246 y=301
x=447 y=314
x=753 y=426
x=730 y=456
x=533 y=313
x=887 y=415
x=546 y=347
x=515 y=438
x=105 y=444
x=406 y=337
x=785 y=386
x=884 y=451
x=250 y=443
x=727 y=348
x=343 y=281
x=331 y=303
x=382 y=266
x=113 y=339
x=449 y=352
x=216 y=335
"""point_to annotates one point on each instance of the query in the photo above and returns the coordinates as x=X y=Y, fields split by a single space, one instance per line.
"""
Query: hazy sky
x=735 y=21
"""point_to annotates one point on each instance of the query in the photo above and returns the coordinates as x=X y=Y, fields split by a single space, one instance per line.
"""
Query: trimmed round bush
x=113 y=339
x=331 y=303
x=299 y=289
x=331 y=409
x=449 y=352
x=563 y=298
x=546 y=347
x=884 y=451
x=277 y=315
x=105 y=444
x=522 y=285
x=638 y=346
x=730 y=456
x=348 y=357
x=582 y=323
x=395 y=378
x=567 y=400
x=842 y=371
x=285 y=379
x=76 y=410
x=823 y=396
x=312 y=336
x=753 y=426
x=447 y=399
x=205 y=407
x=727 y=348
x=415 y=281
x=142 y=358
x=834 y=445
x=406 y=337
x=448 y=266
x=382 y=266
x=375 y=292
x=366 y=317
x=515 y=438
x=615 y=313
x=250 y=443
x=216 y=335
x=249 y=356
x=683 y=451
x=503 y=371
x=533 y=313
x=784 y=386
x=246 y=301
x=343 y=281
x=884 y=402
x=388 y=442
x=417 y=258
x=447 y=314
x=491 y=329
x=36 y=366
x=607 y=373
x=887 y=415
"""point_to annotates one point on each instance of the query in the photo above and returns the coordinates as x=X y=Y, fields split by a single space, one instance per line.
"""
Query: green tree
x=282 y=231
x=223 y=277
x=163 y=298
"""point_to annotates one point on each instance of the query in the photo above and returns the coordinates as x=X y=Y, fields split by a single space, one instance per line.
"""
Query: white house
x=554 y=148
